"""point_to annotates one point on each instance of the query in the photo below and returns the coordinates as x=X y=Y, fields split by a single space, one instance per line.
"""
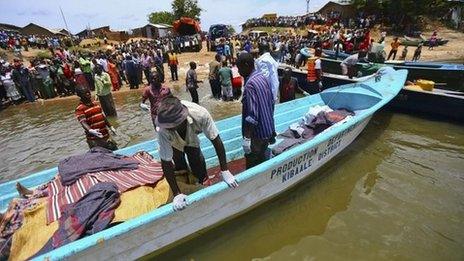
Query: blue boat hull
x=451 y=77
x=215 y=204
x=439 y=104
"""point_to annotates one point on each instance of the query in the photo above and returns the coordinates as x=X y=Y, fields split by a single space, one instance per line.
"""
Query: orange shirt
x=395 y=45
x=92 y=116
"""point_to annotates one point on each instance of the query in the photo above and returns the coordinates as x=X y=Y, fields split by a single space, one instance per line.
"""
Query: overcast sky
x=126 y=14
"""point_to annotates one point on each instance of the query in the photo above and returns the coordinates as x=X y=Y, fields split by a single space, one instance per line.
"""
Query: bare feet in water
x=22 y=190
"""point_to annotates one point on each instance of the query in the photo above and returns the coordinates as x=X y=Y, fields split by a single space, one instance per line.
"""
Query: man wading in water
x=90 y=116
x=155 y=93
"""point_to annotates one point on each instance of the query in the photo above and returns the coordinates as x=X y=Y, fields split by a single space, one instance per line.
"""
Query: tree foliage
x=231 y=29
x=186 y=8
x=163 y=17
x=403 y=13
x=180 y=8
x=409 y=8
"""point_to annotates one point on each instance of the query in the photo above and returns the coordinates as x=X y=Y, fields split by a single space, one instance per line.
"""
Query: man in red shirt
x=288 y=86
x=155 y=93
x=91 y=117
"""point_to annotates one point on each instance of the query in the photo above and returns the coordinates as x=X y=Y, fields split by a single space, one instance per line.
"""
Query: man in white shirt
x=180 y=122
x=103 y=62
x=348 y=65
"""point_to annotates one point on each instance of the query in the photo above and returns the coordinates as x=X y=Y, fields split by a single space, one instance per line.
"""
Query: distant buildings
x=40 y=30
x=153 y=31
x=150 y=30
x=340 y=9
x=34 y=29
x=10 y=27
x=97 y=32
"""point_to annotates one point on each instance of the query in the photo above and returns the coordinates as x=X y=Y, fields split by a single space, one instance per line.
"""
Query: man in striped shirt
x=257 y=111
x=91 y=117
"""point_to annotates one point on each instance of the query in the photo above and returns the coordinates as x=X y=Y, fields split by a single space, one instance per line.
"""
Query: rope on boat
x=378 y=77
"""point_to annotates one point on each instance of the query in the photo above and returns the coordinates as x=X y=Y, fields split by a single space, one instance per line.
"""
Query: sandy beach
x=452 y=52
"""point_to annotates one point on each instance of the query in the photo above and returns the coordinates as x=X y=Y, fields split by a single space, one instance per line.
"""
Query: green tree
x=231 y=29
x=400 y=13
x=410 y=8
x=163 y=17
x=186 y=8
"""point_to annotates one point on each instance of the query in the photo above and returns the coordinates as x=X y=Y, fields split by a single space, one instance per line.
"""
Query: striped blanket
x=148 y=172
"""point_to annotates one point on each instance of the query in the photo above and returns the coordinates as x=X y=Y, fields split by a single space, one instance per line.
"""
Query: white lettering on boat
x=291 y=168
x=335 y=142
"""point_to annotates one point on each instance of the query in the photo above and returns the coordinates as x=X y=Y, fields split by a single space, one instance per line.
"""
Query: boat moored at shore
x=213 y=205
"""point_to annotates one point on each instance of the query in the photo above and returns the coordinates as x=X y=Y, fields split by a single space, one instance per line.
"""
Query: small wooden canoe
x=409 y=41
x=216 y=204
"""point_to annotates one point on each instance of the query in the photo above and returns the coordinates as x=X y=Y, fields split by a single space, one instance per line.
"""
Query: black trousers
x=146 y=71
x=160 y=70
x=194 y=94
x=3 y=93
x=258 y=152
x=174 y=75
x=237 y=92
x=196 y=162
x=60 y=88
x=215 y=88
x=90 y=80
x=392 y=52
x=133 y=81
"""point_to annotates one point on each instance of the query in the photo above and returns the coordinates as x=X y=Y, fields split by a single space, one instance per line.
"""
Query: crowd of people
x=130 y=62
x=101 y=71
x=285 y=21
x=361 y=21
x=11 y=40
x=72 y=72
x=106 y=71
x=350 y=37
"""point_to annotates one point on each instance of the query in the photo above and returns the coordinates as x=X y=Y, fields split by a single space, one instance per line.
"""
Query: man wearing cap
x=180 y=122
